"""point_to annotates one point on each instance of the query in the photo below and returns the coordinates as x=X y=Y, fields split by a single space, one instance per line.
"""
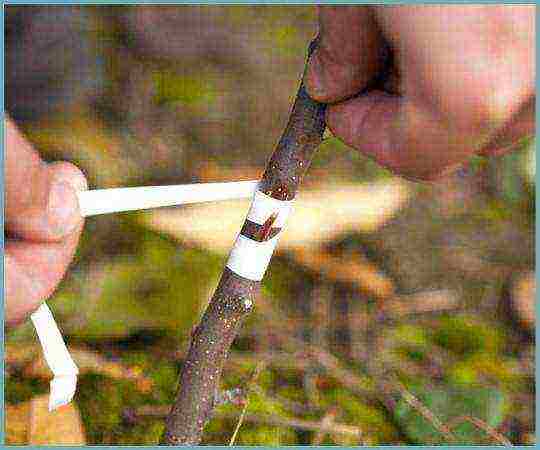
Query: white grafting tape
x=58 y=359
x=263 y=206
x=249 y=258
x=103 y=201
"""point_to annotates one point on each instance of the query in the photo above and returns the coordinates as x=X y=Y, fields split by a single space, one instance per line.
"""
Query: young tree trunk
x=235 y=294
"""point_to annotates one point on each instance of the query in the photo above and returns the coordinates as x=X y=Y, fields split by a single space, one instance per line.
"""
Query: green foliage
x=101 y=401
x=19 y=389
x=408 y=334
x=465 y=335
x=266 y=435
x=280 y=278
x=105 y=403
x=285 y=39
x=494 y=369
x=156 y=286
x=259 y=403
x=479 y=379
x=171 y=88
x=370 y=419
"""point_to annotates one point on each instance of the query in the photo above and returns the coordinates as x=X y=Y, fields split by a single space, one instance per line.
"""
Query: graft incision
x=260 y=233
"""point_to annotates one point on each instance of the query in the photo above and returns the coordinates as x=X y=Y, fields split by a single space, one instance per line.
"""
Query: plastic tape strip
x=58 y=359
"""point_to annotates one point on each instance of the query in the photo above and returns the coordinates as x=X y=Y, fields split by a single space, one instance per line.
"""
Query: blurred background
x=392 y=312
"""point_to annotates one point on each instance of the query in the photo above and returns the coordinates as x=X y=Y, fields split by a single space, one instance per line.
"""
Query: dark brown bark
x=234 y=296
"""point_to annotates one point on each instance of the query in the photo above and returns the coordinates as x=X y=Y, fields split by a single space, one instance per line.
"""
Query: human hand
x=42 y=224
x=462 y=82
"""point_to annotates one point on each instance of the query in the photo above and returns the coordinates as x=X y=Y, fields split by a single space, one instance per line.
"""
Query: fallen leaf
x=358 y=272
x=20 y=353
x=60 y=427
x=422 y=302
x=318 y=216
x=91 y=361
x=17 y=417
x=523 y=299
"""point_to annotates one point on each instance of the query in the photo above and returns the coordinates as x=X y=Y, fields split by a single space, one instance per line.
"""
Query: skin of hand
x=42 y=224
x=461 y=81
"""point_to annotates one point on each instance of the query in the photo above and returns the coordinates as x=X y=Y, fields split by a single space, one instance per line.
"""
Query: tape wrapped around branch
x=252 y=252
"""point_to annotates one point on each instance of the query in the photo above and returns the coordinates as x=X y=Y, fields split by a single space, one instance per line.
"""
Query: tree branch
x=235 y=294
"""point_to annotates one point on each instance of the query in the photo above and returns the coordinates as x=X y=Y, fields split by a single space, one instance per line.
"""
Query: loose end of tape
x=57 y=356
x=62 y=391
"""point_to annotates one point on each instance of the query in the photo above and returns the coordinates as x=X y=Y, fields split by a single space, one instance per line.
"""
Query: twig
x=234 y=296
x=290 y=405
x=239 y=424
x=300 y=424
x=334 y=367
x=319 y=325
x=480 y=424
x=300 y=349
x=385 y=389
x=327 y=421
x=267 y=419
x=256 y=373
x=425 y=412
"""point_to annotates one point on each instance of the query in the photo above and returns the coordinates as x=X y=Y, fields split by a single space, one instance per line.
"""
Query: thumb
x=350 y=53
x=41 y=198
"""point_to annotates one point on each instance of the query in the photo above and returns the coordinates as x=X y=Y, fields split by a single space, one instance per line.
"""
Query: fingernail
x=69 y=174
x=63 y=208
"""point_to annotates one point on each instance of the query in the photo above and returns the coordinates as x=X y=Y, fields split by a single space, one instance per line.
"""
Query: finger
x=456 y=98
x=32 y=273
x=400 y=134
x=41 y=200
x=349 y=54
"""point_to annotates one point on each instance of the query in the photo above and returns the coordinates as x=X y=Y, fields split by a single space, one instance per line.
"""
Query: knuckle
x=481 y=108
